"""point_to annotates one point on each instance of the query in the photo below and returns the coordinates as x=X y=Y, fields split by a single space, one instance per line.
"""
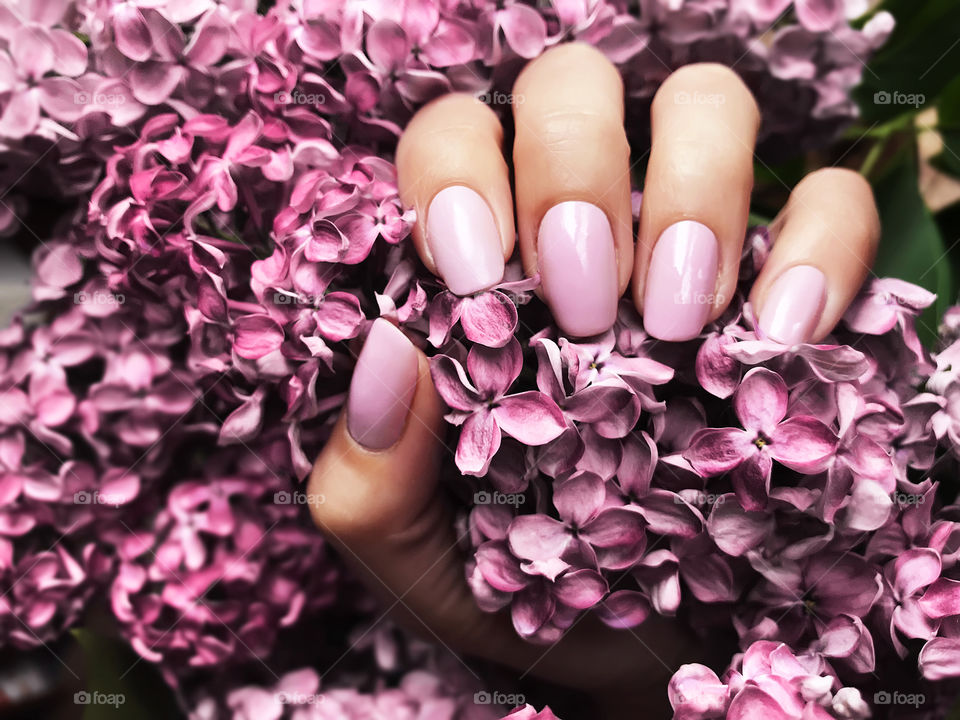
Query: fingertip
x=378 y=467
x=451 y=172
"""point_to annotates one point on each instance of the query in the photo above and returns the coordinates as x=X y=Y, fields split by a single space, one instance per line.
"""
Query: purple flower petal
x=579 y=498
x=493 y=370
x=751 y=481
x=624 y=609
x=735 y=530
x=802 y=443
x=942 y=599
x=452 y=383
x=500 y=568
x=489 y=318
x=940 y=658
x=524 y=28
x=580 y=589
x=718 y=373
x=530 y=417
x=256 y=336
x=761 y=400
x=479 y=442
x=915 y=569
x=714 y=451
x=538 y=537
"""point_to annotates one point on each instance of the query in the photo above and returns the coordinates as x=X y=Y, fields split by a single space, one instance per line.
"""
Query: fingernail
x=464 y=240
x=382 y=387
x=578 y=267
x=793 y=305
x=681 y=281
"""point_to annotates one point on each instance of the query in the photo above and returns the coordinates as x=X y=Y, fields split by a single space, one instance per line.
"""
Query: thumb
x=382 y=507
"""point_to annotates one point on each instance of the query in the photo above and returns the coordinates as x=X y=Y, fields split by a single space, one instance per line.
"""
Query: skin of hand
x=570 y=210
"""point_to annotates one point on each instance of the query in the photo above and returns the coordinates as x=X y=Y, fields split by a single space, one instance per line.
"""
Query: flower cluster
x=195 y=323
x=79 y=76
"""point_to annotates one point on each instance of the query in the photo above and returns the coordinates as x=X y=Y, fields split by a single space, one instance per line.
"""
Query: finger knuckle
x=573 y=131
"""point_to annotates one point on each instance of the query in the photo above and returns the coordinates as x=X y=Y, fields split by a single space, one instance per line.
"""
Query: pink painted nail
x=382 y=387
x=681 y=281
x=464 y=240
x=793 y=305
x=578 y=267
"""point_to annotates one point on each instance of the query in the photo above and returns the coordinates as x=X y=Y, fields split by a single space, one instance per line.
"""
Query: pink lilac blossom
x=195 y=324
x=215 y=294
x=77 y=76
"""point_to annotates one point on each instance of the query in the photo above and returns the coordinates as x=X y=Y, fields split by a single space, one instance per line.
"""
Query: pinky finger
x=825 y=241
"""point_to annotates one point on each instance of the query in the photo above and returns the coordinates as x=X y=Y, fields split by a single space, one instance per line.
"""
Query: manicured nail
x=464 y=240
x=382 y=387
x=578 y=267
x=681 y=281
x=793 y=305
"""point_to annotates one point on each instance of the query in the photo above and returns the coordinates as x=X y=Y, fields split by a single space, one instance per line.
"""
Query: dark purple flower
x=801 y=443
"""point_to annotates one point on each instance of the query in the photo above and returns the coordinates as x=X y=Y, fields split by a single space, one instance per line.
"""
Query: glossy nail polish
x=794 y=304
x=578 y=267
x=382 y=387
x=464 y=240
x=681 y=282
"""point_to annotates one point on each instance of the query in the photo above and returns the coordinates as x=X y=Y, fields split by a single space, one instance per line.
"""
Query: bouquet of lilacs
x=78 y=77
x=196 y=318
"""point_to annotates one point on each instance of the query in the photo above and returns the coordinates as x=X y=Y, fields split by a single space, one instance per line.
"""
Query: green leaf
x=911 y=246
x=916 y=63
x=948 y=124
x=120 y=685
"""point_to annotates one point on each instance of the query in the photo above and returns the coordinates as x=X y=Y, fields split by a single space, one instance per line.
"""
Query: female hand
x=378 y=473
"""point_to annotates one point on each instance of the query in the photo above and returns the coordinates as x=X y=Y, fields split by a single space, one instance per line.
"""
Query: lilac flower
x=614 y=536
x=488 y=318
x=801 y=443
x=486 y=411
